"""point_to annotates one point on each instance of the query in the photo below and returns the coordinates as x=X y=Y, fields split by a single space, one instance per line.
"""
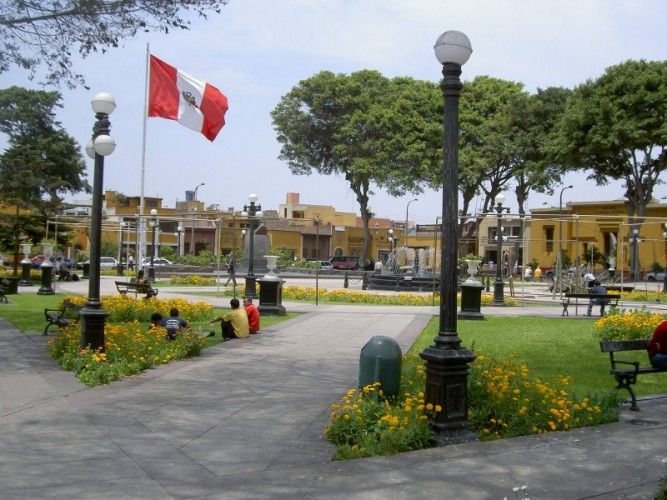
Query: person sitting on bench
x=598 y=289
x=64 y=273
x=657 y=347
x=234 y=323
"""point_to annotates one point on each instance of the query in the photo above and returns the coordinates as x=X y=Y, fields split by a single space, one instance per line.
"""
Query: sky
x=255 y=51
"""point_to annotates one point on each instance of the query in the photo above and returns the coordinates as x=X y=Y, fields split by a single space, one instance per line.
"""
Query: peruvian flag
x=175 y=95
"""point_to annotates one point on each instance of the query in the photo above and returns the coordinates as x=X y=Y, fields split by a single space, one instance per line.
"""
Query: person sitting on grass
x=156 y=319
x=174 y=323
x=253 y=315
x=234 y=323
x=657 y=347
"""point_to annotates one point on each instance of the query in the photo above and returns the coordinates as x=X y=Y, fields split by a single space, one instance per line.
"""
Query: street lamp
x=192 y=229
x=102 y=144
x=390 y=238
x=119 y=269
x=253 y=211
x=559 y=258
x=446 y=361
x=634 y=274
x=153 y=225
x=180 y=230
x=407 y=208
x=499 y=285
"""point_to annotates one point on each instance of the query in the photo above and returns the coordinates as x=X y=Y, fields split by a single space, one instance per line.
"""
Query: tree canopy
x=45 y=34
x=372 y=130
x=615 y=127
x=41 y=163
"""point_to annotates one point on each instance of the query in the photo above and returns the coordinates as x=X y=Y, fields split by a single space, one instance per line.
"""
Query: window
x=549 y=238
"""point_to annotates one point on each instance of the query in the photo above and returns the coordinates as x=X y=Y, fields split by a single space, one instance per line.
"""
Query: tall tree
x=489 y=138
x=615 y=126
x=372 y=130
x=535 y=118
x=36 y=33
x=41 y=164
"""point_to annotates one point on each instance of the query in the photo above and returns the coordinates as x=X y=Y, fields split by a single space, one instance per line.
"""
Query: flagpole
x=141 y=248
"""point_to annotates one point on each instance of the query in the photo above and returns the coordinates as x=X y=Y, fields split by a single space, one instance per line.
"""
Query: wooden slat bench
x=626 y=372
x=124 y=287
x=67 y=314
x=612 y=300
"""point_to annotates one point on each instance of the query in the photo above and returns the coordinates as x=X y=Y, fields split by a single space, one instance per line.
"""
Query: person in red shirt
x=253 y=315
x=657 y=347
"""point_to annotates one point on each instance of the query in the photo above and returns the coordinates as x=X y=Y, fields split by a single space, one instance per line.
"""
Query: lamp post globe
x=446 y=361
x=93 y=317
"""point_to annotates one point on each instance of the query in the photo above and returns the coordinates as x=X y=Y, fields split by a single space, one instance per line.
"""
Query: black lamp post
x=153 y=224
x=253 y=211
x=102 y=144
x=634 y=275
x=499 y=285
x=119 y=269
x=390 y=238
x=446 y=361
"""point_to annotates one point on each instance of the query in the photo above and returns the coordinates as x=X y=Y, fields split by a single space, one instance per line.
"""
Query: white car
x=655 y=276
x=105 y=263
x=158 y=262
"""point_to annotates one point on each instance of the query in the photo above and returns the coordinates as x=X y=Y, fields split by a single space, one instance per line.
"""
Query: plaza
x=245 y=420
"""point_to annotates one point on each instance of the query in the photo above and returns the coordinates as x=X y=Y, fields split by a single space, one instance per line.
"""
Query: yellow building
x=598 y=226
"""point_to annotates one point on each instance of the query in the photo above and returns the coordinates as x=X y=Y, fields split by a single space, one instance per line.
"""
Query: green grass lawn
x=550 y=347
x=26 y=313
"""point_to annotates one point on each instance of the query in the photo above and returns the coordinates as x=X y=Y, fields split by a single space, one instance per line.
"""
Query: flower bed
x=627 y=325
x=129 y=349
x=504 y=401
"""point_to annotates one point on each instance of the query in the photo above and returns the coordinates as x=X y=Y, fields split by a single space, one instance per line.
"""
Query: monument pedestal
x=271 y=296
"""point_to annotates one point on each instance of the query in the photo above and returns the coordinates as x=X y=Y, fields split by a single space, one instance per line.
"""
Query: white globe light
x=453 y=47
x=252 y=197
x=153 y=212
x=499 y=199
x=244 y=214
x=103 y=103
x=104 y=145
x=259 y=214
x=90 y=149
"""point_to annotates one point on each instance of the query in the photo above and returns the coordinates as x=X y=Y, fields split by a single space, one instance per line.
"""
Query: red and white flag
x=175 y=95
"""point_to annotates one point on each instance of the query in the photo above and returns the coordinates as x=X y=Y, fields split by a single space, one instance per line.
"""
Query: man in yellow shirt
x=234 y=323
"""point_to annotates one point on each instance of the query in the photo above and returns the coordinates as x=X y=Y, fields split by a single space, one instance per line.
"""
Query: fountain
x=407 y=269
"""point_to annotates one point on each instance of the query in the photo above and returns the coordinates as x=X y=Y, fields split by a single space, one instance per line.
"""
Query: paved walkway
x=245 y=420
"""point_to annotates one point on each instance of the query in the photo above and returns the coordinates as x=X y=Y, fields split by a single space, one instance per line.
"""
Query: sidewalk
x=245 y=420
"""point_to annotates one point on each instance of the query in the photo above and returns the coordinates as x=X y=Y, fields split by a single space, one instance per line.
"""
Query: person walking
x=231 y=269
x=130 y=263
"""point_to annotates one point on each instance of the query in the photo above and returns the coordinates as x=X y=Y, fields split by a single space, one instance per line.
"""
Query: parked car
x=325 y=265
x=344 y=262
x=105 y=263
x=37 y=260
x=655 y=276
x=159 y=262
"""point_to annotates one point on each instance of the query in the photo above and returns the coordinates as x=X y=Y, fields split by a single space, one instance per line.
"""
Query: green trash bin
x=380 y=361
